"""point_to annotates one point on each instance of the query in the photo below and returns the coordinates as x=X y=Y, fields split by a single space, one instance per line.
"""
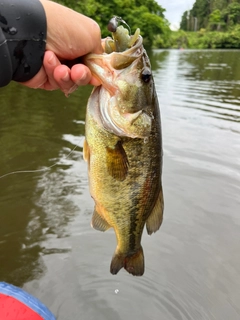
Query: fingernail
x=52 y=60
x=66 y=77
x=82 y=78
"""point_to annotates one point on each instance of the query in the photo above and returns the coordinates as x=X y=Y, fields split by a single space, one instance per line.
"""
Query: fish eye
x=146 y=75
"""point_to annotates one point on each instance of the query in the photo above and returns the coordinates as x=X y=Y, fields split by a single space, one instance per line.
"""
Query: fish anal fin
x=155 y=219
x=134 y=264
x=98 y=222
x=86 y=151
x=117 y=161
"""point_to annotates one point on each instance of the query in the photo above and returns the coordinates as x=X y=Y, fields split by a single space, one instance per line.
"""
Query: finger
x=80 y=74
x=50 y=62
x=62 y=76
x=58 y=74
x=95 y=82
x=44 y=79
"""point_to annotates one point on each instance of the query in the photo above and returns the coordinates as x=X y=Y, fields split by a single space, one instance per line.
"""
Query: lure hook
x=113 y=24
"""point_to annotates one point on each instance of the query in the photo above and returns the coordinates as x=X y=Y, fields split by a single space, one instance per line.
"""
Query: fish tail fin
x=134 y=263
x=117 y=262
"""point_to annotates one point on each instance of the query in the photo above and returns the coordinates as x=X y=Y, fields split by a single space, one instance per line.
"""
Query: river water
x=192 y=264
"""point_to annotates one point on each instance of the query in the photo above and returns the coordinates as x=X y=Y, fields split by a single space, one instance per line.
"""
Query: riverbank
x=201 y=39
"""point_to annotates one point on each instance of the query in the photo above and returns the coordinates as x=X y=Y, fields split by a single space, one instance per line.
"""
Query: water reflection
x=221 y=66
x=157 y=58
x=204 y=82
x=46 y=243
x=34 y=205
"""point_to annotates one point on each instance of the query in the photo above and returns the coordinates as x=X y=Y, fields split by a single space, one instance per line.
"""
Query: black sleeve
x=22 y=39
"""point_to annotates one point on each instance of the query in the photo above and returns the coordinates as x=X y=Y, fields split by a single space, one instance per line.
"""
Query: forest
x=147 y=15
x=209 y=24
x=213 y=15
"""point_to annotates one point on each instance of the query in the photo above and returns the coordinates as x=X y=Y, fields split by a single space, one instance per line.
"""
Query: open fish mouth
x=121 y=51
x=124 y=72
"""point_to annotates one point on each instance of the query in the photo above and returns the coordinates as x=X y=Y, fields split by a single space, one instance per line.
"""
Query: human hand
x=54 y=75
x=70 y=35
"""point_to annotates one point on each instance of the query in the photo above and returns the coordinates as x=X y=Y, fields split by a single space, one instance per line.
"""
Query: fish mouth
x=118 y=71
x=107 y=66
x=133 y=125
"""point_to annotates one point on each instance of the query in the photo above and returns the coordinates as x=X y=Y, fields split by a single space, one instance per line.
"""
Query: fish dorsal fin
x=154 y=221
x=117 y=161
x=98 y=222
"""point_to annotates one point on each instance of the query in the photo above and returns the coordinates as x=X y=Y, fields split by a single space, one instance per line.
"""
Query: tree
x=147 y=15
x=201 y=11
x=212 y=15
x=184 y=25
x=231 y=14
x=216 y=20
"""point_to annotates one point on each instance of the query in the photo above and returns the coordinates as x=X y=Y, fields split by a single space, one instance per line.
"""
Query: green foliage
x=147 y=15
x=232 y=14
x=175 y=40
x=200 y=11
x=216 y=22
x=185 y=21
x=220 y=20
x=206 y=40
x=212 y=15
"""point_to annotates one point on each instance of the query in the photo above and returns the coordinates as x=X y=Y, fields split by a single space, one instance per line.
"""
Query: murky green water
x=192 y=264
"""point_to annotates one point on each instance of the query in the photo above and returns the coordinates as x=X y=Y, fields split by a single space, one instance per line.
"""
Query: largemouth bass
x=123 y=147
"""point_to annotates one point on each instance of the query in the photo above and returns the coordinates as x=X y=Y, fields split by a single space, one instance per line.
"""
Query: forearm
x=22 y=39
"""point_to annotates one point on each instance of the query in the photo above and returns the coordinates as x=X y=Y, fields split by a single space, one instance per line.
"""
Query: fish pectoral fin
x=154 y=221
x=98 y=222
x=86 y=151
x=117 y=161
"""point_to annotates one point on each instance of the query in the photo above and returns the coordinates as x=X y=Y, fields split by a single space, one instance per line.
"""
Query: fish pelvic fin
x=134 y=264
x=155 y=219
x=98 y=222
x=117 y=162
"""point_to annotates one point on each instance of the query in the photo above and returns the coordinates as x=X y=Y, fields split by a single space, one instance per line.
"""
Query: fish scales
x=125 y=164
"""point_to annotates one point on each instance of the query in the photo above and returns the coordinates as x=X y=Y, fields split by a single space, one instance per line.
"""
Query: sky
x=175 y=10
